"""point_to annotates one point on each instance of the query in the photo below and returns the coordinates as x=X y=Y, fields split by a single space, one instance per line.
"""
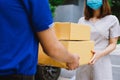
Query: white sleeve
x=81 y=20
x=115 y=29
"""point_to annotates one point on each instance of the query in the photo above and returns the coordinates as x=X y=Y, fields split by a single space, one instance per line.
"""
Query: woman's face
x=94 y=4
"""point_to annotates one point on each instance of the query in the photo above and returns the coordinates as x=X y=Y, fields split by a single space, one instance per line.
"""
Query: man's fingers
x=72 y=67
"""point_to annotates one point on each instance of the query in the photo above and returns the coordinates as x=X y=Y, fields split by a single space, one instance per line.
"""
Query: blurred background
x=72 y=10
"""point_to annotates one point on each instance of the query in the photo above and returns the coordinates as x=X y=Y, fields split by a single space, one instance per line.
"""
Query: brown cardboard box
x=82 y=48
x=72 y=31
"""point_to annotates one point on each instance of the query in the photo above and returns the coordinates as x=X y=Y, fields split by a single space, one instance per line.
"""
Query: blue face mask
x=95 y=4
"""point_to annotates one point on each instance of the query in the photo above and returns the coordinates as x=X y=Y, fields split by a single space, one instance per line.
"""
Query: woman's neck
x=95 y=16
x=96 y=13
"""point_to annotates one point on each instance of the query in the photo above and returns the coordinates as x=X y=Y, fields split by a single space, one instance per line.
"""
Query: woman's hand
x=106 y=51
x=96 y=56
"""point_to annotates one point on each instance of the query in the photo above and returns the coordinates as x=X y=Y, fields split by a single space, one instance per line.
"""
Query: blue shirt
x=19 y=20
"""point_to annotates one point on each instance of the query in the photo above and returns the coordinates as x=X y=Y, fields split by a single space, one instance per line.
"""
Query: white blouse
x=102 y=30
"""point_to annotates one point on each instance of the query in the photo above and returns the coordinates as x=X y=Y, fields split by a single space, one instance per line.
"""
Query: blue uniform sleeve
x=39 y=13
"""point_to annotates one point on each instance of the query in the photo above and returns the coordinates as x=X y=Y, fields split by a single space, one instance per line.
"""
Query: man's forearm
x=53 y=47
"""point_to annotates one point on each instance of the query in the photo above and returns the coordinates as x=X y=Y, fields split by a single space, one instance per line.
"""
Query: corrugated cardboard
x=82 y=48
x=72 y=31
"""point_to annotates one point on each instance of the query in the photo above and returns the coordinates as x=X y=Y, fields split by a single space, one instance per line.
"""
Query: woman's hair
x=104 y=10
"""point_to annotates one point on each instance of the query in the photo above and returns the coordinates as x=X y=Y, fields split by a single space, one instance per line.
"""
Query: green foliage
x=52 y=9
x=116 y=8
x=110 y=2
x=56 y=2
x=118 y=42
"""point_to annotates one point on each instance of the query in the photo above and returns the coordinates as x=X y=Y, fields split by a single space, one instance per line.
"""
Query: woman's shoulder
x=111 y=17
x=82 y=19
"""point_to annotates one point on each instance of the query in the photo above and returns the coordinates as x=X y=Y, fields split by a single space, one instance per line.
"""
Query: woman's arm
x=108 y=50
x=111 y=47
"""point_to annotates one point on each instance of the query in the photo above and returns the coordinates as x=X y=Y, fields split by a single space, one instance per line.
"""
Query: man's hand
x=74 y=62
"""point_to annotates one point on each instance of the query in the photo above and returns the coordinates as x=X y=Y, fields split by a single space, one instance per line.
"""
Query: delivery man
x=24 y=23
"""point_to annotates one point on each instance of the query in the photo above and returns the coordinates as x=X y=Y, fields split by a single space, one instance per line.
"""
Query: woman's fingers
x=92 y=60
x=93 y=51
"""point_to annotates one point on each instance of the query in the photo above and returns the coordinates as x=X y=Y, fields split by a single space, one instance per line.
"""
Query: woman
x=105 y=30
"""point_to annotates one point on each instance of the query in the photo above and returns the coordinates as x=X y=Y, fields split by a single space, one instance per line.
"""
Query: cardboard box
x=72 y=31
x=82 y=48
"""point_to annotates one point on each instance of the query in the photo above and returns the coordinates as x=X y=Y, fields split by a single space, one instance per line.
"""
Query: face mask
x=94 y=4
